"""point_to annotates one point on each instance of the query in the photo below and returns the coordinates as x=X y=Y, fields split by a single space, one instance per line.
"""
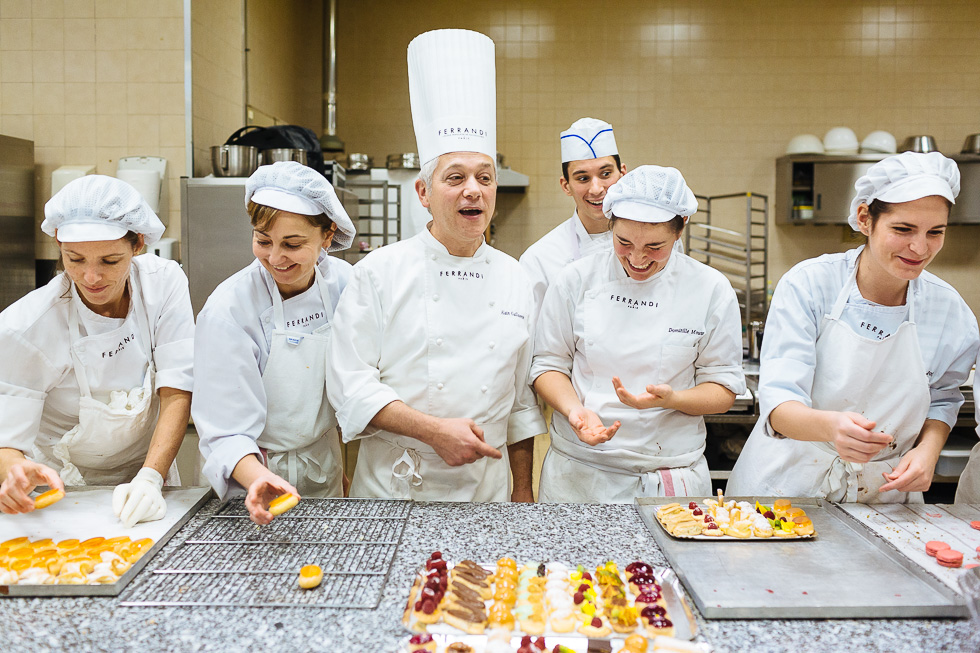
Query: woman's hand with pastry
x=914 y=471
x=263 y=486
x=655 y=396
x=20 y=476
x=589 y=427
x=853 y=438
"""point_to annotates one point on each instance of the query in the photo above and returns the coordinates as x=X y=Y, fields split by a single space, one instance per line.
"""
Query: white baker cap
x=294 y=187
x=650 y=194
x=452 y=86
x=587 y=138
x=97 y=207
x=906 y=177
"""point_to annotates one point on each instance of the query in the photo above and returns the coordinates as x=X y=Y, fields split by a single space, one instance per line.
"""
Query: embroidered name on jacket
x=633 y=303
x=512 y=313
x=122 y=345
x=319 y=315
x=461 y=274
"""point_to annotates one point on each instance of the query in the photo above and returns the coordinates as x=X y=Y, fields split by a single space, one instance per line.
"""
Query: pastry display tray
x=479 y=643
x=87 y=512
x=846 y=572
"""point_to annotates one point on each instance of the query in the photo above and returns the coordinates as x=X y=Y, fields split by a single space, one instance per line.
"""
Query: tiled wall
x=92 y=81
x=218 y=76
x=716 y=89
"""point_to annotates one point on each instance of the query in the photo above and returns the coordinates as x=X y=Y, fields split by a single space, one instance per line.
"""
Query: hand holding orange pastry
x=22 y=477
x=269 y=496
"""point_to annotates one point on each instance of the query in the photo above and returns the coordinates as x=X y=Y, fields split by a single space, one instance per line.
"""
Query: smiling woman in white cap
x=865 y=352
x=638 y=317
x=273 y=432
x=96 y=376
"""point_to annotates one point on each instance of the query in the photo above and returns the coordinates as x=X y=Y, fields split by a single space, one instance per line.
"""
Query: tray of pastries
x=547 y=599
x=95 y=561
x=718 y=519
x=503 y=641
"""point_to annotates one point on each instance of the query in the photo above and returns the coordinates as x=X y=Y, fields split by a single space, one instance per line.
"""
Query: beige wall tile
x=18 y=98
x=79 y=8
x=49 y=66
x=80 y=131
x=48 y=34
x=18 y=126
x=15 y=9
x=49 y=98
x=15 y=34
x=80 y=66
x=80 y=98
x=111 y=66
x=79 y=33
x=17 y=66
x=49 y=131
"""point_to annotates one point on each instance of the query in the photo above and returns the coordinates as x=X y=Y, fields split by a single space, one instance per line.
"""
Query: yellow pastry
x=282 y=503
x=46 y=499
x=310 y=576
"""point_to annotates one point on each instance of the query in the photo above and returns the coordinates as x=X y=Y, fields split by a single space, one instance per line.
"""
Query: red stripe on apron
x=668 y=482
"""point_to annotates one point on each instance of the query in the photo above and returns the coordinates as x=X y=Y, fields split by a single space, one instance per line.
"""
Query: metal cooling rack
x=231 y=561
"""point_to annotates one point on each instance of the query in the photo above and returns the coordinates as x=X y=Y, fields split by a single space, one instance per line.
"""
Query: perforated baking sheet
x=231 y=561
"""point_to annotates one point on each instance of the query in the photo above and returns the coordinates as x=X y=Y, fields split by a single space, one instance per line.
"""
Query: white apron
x=300 y=441
x=592 y=245
x=633 y=463
x=968 y=489
x=883 y=380
x=109 y=445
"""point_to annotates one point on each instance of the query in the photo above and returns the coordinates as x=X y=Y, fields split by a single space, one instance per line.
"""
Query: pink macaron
x=949 y=558
x=935 y=546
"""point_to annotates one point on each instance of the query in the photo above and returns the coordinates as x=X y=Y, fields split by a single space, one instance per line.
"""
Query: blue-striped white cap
x=587 y=138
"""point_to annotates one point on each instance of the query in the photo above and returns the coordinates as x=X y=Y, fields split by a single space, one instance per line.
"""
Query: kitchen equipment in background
x=817 y=189
x=923 y=143
x=754 y=333
x=64 y=174
x=359 y=162
x=18 y=274
x=840 y=140
x=879 y=142
x=267 y=157
x=146 y=174
x=971 y=145
x=407 y=160
x=335 y=173
x=805 y=144
x=234 y=160
x=165 y=248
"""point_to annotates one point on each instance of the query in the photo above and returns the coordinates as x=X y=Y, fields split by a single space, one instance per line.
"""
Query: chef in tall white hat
x=432 y=339
x=96 y=379
x=267 y=326
x=633 y=346
x=865 y=352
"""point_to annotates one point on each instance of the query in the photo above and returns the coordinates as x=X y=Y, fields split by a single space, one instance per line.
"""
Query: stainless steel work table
x=587 y=534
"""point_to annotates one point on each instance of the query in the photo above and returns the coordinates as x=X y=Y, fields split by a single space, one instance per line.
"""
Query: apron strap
x=73 y=337
x=845 y=293
x=329 y=302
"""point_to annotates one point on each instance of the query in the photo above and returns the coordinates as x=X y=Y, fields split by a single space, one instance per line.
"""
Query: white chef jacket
x=233 y=339
x=393 y=340
x=947 y=330
x=38 y=389
x=701 y=313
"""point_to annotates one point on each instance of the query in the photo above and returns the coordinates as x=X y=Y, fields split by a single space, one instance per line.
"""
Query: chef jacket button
x=483 y=388
x=439 y=341
x=492 y=344
x=591 y=342
x=492 y=303
x=435 y=298
x=433 y=257
x=439 y=386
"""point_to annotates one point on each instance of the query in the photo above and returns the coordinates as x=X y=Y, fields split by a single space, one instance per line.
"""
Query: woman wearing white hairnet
x=865 y=352
x=273 y=432
x=640 y=318
x=96 y=376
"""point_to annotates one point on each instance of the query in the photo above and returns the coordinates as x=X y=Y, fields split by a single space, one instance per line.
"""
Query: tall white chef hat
x=905 y=177
x=650 y=194
x=587 y=138
x=97 y=207
x=452 y=86
x=291 y=186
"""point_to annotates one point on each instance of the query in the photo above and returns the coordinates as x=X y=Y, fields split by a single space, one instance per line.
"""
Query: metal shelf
x=379 y=215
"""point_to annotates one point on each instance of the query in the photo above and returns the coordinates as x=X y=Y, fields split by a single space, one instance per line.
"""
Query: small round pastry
x=949 y=558
x=422 y=642
x=534 y=625
x=634 y=644
x=660 y=626
x=46 y=499
x=282 y=503
x=935 y=546
x=500 y=616
x=563 y=620
x=595 y=628
x=310 y=576
x=712 y=529
x=975 y=524
x=780 y=506
x=459 y=647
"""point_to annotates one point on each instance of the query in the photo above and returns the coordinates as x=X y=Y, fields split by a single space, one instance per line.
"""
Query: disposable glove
x=141 y=499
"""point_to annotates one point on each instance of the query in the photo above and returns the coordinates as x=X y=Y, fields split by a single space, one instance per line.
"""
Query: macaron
x=949 y=558
x=935 y=546
x=975 y=524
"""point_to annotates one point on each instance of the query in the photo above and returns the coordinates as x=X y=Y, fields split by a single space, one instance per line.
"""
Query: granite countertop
x=586 y=534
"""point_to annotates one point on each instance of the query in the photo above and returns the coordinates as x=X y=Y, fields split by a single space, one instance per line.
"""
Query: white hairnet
x=650 y=194
x=294 y=187
x=906 y=177
x=97 y=207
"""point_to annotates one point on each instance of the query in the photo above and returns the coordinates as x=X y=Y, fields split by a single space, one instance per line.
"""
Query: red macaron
x=975 y=524
x=949 y=558
x=935 y=546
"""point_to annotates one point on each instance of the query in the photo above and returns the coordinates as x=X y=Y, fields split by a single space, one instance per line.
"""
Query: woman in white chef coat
x=640 y=318
x=865 y=352
x=96 y=376
x=272 y=431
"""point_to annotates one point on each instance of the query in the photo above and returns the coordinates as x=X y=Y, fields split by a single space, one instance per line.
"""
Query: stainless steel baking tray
x=231 y=561
x=93 y=517
x=576 y=644
x=846 y=572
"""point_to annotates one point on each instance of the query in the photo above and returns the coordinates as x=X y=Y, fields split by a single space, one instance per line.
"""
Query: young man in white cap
x=590 y=165
x=865 y=352
x=432 y=338
x=637 y=317
x=96 y=378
